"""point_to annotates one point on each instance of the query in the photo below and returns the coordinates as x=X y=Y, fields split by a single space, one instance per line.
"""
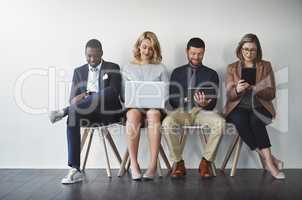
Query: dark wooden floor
x=248 y=184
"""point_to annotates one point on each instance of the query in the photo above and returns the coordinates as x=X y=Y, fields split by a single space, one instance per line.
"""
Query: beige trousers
x=172 y=130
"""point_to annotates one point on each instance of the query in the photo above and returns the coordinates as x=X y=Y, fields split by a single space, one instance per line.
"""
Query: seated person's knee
x=153 y=116
x=134 y=116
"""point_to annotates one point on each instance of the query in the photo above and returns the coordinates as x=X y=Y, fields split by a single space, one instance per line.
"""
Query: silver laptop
x=145 y=94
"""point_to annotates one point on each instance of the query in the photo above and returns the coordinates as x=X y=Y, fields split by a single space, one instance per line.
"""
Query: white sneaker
x=73 y=176
x=55 y=116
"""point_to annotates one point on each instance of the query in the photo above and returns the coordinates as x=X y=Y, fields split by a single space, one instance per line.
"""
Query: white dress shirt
x=93 y=78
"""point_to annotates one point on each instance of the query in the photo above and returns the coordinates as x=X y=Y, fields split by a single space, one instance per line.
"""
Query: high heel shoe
x=148 y=177
x=279 y=164
x=136 y=177
x=279 y=176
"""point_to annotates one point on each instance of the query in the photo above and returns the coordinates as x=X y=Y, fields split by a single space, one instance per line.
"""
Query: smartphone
x=249 y=75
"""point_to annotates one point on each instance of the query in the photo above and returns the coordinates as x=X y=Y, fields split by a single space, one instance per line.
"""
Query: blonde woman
x=249 y=106
x=145 y=66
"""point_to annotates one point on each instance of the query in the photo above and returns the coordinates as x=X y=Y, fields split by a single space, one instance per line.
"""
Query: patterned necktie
x=193 y=78
x=94 y=79
x=191 y=85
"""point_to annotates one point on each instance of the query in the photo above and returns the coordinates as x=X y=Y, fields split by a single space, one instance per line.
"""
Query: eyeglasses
x=249 y=50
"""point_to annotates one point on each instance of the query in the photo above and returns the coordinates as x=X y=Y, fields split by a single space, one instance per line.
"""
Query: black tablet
x=210 y=92
x=249 y=75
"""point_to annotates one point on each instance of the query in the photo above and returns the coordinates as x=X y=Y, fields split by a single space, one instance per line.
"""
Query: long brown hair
x=250 y=37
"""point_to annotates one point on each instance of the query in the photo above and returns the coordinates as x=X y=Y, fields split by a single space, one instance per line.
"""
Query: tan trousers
x=172 y=130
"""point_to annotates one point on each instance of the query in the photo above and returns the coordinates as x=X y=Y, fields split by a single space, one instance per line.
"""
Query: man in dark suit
x=193 y=94
x=94 y=100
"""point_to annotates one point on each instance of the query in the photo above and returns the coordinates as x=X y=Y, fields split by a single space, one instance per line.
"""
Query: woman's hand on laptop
x=201 y=100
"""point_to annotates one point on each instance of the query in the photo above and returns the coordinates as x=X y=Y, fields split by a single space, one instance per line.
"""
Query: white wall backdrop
x=41 y=42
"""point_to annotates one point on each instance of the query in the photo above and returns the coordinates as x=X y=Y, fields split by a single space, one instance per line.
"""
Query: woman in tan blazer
x=249 y=105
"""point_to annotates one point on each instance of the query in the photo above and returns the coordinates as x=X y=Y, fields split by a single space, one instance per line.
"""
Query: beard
x=195 y=62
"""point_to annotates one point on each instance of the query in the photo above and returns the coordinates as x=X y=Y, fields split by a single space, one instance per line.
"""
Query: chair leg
x=113 y=146
x=102 y=138
x=183 y=139
x=236 y=157
x=87 y=150
x=164 y=157
x=229 y=153
x=128 y=164
x=84 y=137
x=123 y=164
x=213 y=167
x=205 y=139
x=159 y=171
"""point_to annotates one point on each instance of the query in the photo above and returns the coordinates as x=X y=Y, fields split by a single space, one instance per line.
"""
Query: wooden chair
x=235 y=149
x=203 y=139
x=104 y=135
x=126 y=162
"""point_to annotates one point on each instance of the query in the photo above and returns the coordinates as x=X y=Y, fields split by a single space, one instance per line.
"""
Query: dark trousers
x=251 y=126
x=97 y=109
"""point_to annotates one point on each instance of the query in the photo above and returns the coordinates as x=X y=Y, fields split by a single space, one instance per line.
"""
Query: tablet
x=210 y=92
x=249 y=75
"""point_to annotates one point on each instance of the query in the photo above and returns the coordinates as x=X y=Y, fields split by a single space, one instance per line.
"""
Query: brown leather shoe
x=178 y=169
x=205 y=169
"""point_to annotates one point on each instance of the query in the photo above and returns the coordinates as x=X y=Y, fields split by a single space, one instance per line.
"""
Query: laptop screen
x=145 y=94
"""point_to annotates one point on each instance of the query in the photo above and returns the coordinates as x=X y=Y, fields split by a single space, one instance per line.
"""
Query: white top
x=93 y=78
x=143 y=72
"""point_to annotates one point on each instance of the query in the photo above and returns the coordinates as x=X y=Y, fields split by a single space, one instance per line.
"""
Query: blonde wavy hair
x=157 y=57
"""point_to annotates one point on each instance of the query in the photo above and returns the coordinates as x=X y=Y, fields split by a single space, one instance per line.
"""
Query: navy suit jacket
x=109 y=77
x=179 y=91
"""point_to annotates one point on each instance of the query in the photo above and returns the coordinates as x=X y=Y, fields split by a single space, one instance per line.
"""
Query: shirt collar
x=195 y=66
x=98 y=66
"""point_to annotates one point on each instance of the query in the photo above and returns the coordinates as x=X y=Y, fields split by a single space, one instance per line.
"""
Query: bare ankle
x=151 y=168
